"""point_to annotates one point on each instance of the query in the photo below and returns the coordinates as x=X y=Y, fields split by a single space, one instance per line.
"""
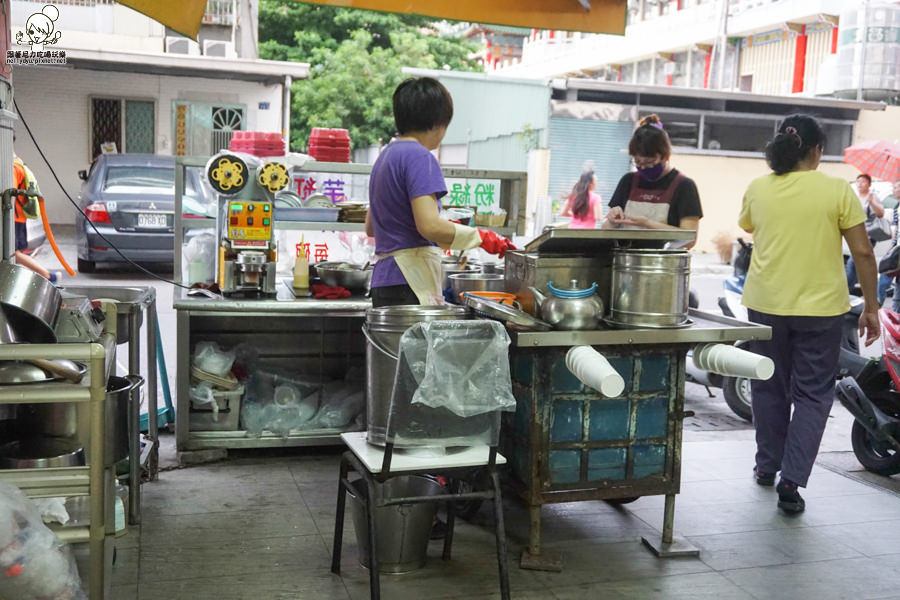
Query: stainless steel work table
x=320 y=336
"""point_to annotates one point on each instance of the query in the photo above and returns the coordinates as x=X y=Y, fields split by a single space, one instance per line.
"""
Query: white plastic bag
x=212 y=359
x=34 y=563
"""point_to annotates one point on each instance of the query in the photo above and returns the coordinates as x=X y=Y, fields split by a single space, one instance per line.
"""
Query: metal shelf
x=93 y=480
x=200 y=440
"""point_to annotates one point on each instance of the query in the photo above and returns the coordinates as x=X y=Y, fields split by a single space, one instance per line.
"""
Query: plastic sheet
x=451 y=383
x=34 y=563
x=212 y=359
x=279 y=402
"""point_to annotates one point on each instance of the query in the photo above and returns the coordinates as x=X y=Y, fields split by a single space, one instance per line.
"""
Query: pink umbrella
x=878 y=159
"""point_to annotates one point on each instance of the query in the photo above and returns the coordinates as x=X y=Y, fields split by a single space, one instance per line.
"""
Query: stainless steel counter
x=707 y=327
x=284 y=303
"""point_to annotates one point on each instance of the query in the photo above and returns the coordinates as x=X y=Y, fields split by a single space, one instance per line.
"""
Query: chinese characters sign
x=480 y=194
x=332 y=185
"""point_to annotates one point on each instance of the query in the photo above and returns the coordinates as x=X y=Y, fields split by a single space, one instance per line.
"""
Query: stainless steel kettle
x=570 y=308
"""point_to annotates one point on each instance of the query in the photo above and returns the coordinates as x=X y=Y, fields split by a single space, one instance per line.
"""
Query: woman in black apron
x=655 y=196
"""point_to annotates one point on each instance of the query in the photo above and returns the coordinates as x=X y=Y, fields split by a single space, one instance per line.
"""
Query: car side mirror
x=82 y=175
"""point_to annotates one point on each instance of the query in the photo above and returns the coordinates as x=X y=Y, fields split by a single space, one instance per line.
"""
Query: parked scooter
x=873 y=400
x=736 y=390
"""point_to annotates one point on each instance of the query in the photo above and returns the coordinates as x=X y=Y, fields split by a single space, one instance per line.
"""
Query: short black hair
x=420 y=104
x=865 y=176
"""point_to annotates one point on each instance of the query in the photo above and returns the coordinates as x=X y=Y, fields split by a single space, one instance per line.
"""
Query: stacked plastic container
x=329 y=145
x=258 y=143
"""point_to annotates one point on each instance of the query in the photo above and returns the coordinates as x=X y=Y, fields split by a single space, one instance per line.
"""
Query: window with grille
x=129 y=124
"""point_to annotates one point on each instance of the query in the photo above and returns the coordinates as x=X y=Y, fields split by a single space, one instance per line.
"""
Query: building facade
x=845 y=48
x=129 y=84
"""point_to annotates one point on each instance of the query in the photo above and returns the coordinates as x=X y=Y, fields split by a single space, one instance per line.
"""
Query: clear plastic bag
x=466 y=367
x=451 y=383
x=210 y=358
x=34 y=563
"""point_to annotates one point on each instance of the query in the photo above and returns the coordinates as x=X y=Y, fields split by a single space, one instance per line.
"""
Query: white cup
x=728 y=360
x=594 y=371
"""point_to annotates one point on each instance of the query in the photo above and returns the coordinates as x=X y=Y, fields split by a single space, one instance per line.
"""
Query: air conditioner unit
x=180 y=45
x=672 y=68
x=218 y=48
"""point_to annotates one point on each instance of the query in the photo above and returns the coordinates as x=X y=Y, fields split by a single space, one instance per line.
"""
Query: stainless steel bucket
x=383 y=329
x=30 y=304
x=650 y=287
x=403 y=529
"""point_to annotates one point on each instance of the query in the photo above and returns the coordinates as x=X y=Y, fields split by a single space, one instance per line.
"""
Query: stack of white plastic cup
x=594 y=371
x=734 y=362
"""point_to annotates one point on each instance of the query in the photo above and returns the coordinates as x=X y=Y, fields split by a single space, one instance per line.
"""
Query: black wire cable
x=78 y=208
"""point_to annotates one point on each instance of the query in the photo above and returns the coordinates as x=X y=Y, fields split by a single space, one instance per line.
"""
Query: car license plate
x=154 y=221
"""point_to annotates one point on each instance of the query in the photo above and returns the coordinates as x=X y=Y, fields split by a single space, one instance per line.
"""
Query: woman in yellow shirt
x=796 y=284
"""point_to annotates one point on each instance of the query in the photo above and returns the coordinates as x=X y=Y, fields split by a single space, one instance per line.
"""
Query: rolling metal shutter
x=577 y=143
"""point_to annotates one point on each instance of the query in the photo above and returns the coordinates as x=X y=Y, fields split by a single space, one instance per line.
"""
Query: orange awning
x=184 y=16
x=603 y=16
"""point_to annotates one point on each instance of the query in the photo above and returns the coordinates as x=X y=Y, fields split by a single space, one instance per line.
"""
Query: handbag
x=890 y=263
x=878 y=229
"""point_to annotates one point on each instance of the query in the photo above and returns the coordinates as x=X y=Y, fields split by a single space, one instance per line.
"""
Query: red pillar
x=834 y=39
x=706 y=69
x=799 y=63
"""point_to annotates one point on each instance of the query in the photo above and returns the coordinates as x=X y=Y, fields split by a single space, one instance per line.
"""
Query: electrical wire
x=78 y=208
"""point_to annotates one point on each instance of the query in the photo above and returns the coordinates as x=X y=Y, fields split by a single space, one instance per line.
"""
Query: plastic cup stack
x=734 y=362
x=593 y=370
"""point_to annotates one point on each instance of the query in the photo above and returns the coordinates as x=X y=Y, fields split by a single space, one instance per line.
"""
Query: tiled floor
x=259 y=526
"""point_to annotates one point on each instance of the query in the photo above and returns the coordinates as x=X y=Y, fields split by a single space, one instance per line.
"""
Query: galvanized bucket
x=383 y=329
x=650 y=288
x=402 y=529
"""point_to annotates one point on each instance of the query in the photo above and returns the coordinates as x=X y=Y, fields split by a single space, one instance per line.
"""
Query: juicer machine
x=246 y=187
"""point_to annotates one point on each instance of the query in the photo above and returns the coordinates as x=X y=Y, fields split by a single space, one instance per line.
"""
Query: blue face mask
x=651 y=173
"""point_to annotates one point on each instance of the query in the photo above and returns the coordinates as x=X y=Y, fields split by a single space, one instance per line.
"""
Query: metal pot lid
x=409 y=314
x=503 y=312
x=18 y=372
x=572 y=292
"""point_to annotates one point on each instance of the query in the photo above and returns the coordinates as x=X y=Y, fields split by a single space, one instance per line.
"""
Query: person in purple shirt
x=405 y=188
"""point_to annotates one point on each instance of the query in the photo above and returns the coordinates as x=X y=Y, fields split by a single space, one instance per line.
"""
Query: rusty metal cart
x=567 y=442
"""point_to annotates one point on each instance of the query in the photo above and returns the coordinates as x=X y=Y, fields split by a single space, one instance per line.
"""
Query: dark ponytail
x=797 y=136
x=581 y=195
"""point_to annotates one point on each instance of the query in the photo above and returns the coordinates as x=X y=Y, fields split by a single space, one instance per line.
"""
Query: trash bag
x=34 y=563
x=210 y=358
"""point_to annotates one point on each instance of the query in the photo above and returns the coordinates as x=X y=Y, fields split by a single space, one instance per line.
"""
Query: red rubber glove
x=494 y=243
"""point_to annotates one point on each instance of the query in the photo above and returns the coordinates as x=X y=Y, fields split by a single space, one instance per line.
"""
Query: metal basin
x=40 y=453
x=476 y=282
x=30 y=304
x=345 y=275
x=650 y=288
x=128 y=300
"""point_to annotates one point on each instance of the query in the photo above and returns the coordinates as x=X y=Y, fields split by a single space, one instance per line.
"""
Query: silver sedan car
x=128 y=202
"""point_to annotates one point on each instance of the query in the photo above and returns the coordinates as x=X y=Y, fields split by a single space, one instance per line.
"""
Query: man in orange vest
x=21 y=181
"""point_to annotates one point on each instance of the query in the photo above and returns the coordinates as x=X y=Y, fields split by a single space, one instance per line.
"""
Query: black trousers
x=392 y=295
x=805 y=351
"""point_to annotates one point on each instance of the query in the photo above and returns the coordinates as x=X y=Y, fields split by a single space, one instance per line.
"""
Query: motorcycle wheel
x=737 y=396
x=875 y=456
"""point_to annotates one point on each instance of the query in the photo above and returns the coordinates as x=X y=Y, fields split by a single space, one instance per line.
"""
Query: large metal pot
x=476 y=282
x=451 y=267
x=650 y=288
x=384 y=327
x=59 y=421
x=30 y=304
